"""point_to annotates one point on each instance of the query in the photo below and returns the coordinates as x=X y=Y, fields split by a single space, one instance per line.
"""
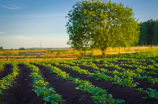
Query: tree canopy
x=149 y=33
x=144 y=34
x=1 y=47
x=21 y=48
x=155 y=35
x=100 y=24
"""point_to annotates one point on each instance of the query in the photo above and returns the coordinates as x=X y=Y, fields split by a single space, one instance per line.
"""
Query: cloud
x=14 y=7
x=2 y=33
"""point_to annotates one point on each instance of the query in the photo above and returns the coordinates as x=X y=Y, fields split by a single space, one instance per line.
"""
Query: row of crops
x=7 y=81
x=140 y=69
x=138 y=74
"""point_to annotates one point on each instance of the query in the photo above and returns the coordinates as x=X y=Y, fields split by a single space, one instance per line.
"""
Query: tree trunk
x=104 y=51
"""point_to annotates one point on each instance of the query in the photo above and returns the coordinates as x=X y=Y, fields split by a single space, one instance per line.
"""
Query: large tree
x=100 y=24
x=76 y=28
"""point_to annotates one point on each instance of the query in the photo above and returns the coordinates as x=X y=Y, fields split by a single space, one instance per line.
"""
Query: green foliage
x=1 y=47
x=142 y=67
x=2 y=66
x=101 y=76
x=147 y=54
x=43 y=91
x=149 y=33
x=40 y=86
x=99 y=95
x=151 y=94
x=101 y=25
x=150 y=25
x=21 y=48
x=54 y=99
x=155 y=35
x=152 y=80
x=7 y=81
x=139 y=90
x=1 y=93
x=143 y=38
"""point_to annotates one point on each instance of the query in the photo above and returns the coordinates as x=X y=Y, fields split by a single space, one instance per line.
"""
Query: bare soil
x=21 y=92
x=65 y=88
x=7 y=70
x=117 y=91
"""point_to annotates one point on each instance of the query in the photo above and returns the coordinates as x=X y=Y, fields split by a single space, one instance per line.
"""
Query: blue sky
x=26 y=23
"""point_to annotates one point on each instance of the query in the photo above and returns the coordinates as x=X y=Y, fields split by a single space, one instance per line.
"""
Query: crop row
x=127 y=73
x=2 y=65
x=126 y=82
x=41 y=87
x=7 y=81
x=99 y=95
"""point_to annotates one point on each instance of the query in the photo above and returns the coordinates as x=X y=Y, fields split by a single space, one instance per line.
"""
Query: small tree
x=1 y=47
x=97 y=24
x=21 y=48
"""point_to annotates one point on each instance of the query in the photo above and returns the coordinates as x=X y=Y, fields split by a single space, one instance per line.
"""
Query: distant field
x=54 y=54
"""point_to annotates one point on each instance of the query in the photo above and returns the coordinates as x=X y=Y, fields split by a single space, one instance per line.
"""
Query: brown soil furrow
x=142 y=83
x=65 y=88
x=7 y=70
x=92 y=70
x=118 y=91
x=21 y=92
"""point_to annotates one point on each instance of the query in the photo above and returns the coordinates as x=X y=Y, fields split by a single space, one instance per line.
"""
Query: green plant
x=1 y=93
x=21 y=48
x=54 y=99
x=1 y=47
x=40 y=86
x=7 y=81
x=98 y=94
x=139 y=90
x=151 y=94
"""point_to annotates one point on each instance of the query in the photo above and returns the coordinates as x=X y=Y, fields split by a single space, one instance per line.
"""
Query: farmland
x=78 y=52
x=125 y=80
x=58 y=54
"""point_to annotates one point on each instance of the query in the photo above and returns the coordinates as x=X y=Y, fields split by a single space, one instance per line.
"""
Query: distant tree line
x=148 y=33
x=21 y=48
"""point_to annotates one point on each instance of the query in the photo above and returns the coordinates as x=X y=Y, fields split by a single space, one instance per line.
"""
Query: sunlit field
x=125 y=79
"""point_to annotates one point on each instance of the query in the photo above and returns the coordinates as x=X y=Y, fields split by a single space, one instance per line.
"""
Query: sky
x=27 y=23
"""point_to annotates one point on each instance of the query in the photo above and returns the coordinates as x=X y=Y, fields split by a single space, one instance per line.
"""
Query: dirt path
x=118 y=92
x=65 y=88
x=7 y=70
x=21 y=92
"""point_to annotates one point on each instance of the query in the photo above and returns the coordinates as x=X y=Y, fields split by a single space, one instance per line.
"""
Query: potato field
x=82 y=81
